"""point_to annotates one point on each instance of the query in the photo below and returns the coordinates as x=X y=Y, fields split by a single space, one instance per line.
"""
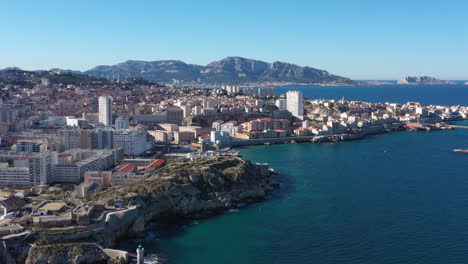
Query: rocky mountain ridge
x=232 y=70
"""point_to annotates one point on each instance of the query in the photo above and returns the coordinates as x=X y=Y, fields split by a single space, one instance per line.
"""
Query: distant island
x=422 y=80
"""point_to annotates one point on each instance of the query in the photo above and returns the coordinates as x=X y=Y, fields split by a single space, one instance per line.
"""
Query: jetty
x=460 y=150
x=457 y=126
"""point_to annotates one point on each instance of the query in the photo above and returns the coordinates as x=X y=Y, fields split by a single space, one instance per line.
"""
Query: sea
x=386 y=199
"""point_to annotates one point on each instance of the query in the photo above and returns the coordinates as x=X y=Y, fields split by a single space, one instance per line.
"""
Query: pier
x=457 y=126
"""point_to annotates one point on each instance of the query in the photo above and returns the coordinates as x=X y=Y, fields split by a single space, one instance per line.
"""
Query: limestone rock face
x=66 y=254
x=234 y=70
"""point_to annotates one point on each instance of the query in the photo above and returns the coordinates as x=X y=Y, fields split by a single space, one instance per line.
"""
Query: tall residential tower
x=294 y=103
x=105 y=110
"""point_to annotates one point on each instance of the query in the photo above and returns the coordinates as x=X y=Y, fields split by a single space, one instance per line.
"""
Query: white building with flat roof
x=10 y=176
x=133 y=142
x=294 y=103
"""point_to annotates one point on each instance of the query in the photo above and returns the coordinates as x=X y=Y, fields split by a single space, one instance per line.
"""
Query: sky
x=359 y=39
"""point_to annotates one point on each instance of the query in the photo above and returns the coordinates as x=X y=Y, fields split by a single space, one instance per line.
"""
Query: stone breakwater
x=181 y=189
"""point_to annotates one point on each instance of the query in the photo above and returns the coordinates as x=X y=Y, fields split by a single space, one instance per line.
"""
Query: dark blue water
x=392 y=198
x=425 y=94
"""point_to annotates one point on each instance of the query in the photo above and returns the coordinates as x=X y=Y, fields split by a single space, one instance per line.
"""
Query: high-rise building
x=231 y=89
x=71 y=138
x=294 y=103
x=102 y=138
x=40 y=168
x=121 y=122
x=266 y=91
x=105 y=110
x=281 y=104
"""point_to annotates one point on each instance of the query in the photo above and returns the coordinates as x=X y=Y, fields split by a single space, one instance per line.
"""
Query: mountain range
x=231 y=70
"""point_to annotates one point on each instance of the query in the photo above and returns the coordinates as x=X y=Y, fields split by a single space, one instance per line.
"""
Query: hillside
x=31 y=78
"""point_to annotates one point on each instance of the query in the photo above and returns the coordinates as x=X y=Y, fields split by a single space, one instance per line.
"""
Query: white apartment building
x=10 y=176
x=294 y=103
x=74 y=163
x=230 y=89
x=133 y=142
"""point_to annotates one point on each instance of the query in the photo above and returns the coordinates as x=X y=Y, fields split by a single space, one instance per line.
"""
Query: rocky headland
x=181 y=189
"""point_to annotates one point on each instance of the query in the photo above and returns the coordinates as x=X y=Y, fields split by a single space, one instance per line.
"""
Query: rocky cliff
x=66 y=254
x=182 y=188
x=422 y=80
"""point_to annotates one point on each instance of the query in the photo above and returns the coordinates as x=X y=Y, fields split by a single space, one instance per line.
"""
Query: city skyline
x=365 y=41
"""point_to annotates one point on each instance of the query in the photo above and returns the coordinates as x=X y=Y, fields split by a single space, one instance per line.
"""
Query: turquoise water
x=392 y=198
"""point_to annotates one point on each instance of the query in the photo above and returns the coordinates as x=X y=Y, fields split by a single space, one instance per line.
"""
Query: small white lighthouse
x=140 y=254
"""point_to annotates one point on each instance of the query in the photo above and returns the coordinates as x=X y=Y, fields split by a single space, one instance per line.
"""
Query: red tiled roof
x=155 y=164
x=127 y=167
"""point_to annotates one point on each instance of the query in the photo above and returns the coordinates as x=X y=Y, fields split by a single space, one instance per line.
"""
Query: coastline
x=131 y=222
x=215 y=186
x=356 y=135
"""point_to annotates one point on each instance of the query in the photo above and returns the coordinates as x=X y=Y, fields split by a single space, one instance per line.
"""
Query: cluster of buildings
x=250 y=91
x=62 y=143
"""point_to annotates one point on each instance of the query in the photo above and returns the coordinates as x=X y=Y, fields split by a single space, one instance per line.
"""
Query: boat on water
x=460 y=150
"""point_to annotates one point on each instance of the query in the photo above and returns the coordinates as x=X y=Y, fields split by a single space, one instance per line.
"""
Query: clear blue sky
x=357 y=39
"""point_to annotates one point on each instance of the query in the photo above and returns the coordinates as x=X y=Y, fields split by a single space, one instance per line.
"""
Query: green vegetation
x=27 y=222
x=50 y=195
